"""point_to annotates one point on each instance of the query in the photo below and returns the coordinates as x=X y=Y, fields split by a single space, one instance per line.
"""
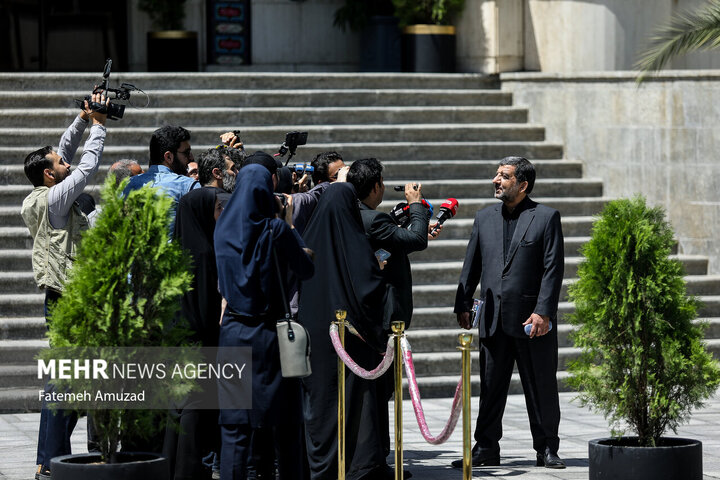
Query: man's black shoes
x=549 y=460
x=482 y=457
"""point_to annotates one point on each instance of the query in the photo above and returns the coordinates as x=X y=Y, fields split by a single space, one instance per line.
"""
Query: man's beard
x=178 y=167
x=228 y=182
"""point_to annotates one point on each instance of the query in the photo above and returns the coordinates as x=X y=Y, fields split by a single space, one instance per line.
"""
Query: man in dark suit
x=516 y=254
x=382 y=231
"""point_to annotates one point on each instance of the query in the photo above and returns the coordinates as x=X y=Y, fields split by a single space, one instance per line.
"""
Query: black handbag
x=293 y=338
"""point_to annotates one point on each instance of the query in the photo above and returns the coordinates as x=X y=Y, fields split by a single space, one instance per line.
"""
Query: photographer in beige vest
x=56 y=221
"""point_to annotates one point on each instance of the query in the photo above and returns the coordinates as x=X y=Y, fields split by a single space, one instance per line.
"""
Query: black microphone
x=447 y=210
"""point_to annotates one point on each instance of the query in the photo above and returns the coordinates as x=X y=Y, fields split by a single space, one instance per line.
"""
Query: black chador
x=347 y=277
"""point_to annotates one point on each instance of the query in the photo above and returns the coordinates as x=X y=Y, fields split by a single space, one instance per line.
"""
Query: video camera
x=292 y=141
x=114 y=111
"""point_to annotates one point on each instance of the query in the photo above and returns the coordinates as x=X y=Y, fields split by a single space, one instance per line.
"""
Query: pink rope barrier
x=354 y=367
x=417 y=401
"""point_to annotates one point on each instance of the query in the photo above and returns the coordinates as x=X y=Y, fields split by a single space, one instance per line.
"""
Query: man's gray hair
x=122 y=170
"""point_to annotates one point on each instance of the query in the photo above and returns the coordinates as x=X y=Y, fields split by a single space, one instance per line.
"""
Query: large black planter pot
x=172 y=51
x=619 y=459
x=428 y=48
x=380 y=49
x=132 y=466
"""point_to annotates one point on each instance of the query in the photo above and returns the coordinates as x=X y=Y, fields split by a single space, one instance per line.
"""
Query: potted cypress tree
x=123 y=291
x=170 y=48
x=428 y=43
x=643 y=363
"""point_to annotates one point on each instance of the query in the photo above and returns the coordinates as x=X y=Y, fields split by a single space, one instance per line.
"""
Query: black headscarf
x=194 y=227
x=347 y=274
x=243 y=242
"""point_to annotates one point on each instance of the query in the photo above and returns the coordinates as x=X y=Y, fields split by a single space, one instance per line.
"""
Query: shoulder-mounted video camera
x=114 y=111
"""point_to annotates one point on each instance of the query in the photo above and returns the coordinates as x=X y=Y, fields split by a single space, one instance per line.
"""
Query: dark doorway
x=63 y=35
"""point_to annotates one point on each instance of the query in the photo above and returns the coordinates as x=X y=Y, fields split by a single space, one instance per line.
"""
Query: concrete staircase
x=447 y=131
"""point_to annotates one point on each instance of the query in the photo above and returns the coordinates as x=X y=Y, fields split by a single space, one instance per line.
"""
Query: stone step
x=19 y=400
x=448 y=272
x=22 y=328
x=709 y=307
x=22 y=305
x=441 y=189
x=253 y=116
x=20 y=352
x=447 y=250
x=242 y=98
x=462 y=189
x=10 y=215
x=443 y=316
x=434 y=286
x=480 y=132
x=21 y=281
x=482 y=170
x=443 y=386
x=461 y=228
x=443 y=250
x=20 y=376
x=448 y=363
x=349 y=151
x=255 y=81
x=15 y=238
x=445 y=339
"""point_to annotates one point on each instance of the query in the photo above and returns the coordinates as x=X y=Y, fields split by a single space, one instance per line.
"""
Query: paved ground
x=18 y=436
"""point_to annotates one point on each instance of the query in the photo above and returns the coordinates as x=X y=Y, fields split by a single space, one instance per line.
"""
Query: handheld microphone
x=447 y=210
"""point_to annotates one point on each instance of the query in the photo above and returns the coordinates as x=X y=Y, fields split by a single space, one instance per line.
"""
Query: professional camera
x=302 y=168
x=401 y=213
x=114 y=111
x=292 y=140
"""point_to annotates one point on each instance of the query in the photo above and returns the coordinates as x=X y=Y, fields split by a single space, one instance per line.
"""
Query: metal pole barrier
x=398 y=329
x=465 y=340
x=341 y=315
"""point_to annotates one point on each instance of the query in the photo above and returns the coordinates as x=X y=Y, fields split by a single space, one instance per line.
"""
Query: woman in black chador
x=198 y=431
x=347 y=277
x=246 y=235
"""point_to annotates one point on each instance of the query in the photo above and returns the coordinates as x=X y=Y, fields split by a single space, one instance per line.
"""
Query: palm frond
x=686 y=32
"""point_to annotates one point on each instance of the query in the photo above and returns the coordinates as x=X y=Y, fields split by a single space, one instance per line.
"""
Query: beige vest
x=53 y=248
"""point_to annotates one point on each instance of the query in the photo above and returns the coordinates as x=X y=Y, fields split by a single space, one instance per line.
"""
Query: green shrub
x=164 y=14
x=433 y=12
x=123 y=291
x=643 y=363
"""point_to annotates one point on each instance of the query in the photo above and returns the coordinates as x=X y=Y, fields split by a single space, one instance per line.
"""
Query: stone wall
x=660 y=139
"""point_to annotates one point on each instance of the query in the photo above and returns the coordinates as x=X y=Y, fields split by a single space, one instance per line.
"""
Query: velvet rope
x=417 y=401
x=354 y=367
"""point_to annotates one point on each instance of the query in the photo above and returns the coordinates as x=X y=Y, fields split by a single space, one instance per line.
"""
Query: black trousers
x=537 y=361
x=236 y=440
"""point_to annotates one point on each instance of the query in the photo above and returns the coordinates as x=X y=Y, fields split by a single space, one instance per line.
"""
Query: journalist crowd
x=268 y=242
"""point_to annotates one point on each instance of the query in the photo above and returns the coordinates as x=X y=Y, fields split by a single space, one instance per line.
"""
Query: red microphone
x=447 y=210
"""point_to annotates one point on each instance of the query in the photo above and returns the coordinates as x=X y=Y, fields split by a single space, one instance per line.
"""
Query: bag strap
x=286 y=305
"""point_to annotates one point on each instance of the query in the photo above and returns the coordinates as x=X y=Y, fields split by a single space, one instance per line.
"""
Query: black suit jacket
x=384 y=233
x=529 y=282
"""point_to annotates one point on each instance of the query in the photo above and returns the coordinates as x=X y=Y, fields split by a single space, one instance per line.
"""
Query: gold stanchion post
x=341 y=315
x=398 y=329
x=465 y=340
